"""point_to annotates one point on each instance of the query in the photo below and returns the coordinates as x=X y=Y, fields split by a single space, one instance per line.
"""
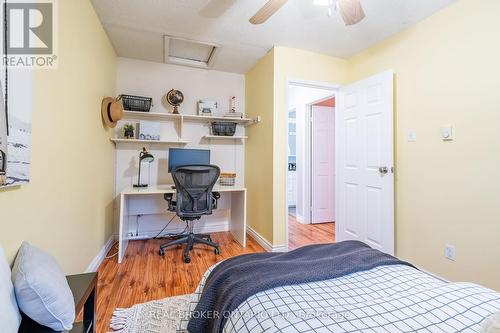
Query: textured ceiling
x=136 y=27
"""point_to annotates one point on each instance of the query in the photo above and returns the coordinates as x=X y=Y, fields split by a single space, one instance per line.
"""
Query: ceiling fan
x=350 y=10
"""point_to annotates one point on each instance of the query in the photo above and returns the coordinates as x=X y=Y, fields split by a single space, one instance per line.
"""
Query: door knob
x=383 y=170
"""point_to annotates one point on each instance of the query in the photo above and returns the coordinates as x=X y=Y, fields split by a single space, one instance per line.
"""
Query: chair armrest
x=215 y=198
x=169 y=198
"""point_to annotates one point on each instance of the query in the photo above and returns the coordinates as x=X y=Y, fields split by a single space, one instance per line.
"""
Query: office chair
x=194 y=198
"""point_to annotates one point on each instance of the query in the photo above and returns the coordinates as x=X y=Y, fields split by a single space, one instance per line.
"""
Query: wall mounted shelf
x=221 y=137
x=178 y=142
x=188 y=117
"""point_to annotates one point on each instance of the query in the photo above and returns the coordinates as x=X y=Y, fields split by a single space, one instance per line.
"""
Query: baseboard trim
x=265 y=243
x=99 y=258
x=433 y=275
x=200 y=229
x=300 y=219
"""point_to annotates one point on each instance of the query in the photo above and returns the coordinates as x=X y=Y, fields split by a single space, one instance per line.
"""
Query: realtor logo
x=30 y=35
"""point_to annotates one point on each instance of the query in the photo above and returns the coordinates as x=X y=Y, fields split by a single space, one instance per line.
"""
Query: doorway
x=310 y=169
x=363 y=164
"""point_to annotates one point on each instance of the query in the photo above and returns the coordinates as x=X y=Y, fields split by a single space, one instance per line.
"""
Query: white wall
x=154 y=80
x=299 y=98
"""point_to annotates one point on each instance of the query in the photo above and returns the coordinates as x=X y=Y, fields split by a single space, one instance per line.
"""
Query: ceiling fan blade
x=216 y=8
x=351 y=10
x=267 y=11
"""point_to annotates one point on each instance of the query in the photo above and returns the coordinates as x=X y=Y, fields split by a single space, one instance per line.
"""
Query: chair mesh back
x=194 y=184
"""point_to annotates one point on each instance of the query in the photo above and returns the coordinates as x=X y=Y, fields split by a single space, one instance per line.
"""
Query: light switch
x=447 y=133
x=412 y=135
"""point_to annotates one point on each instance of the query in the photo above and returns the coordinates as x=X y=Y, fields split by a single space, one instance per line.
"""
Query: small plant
x=128 y=131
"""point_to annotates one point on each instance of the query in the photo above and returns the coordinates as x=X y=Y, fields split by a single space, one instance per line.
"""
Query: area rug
x=168 y=315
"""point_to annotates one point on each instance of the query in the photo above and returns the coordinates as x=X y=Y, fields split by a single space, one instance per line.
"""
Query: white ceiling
x=136 y=27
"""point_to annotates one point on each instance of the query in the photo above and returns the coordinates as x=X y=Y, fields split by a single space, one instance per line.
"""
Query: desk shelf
x=179 y=121
x=221 y=137
x=157 y=116
x=171 y=142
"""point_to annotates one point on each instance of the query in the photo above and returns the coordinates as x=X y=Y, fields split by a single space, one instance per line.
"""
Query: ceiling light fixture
x=323 y=3
x=327 y=3
x=351 y=10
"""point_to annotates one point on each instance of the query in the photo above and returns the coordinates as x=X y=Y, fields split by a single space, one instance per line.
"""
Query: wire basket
x=136 y=103
x=223 y=128
x=227 y=179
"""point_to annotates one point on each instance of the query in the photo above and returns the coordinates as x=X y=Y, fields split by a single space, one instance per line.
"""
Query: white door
x=323 y=164
x=364 y=160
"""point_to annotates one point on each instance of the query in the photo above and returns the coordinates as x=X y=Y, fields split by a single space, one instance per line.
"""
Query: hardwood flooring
x=145 y=276
x=306 y=234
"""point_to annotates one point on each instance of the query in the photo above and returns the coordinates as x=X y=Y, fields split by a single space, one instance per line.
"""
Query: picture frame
x=16 y=104
x=207 y=108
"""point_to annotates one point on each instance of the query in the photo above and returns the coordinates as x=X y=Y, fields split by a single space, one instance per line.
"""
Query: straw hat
x=111 y=111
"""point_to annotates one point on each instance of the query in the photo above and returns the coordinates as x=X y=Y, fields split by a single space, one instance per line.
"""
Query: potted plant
x=128 y=130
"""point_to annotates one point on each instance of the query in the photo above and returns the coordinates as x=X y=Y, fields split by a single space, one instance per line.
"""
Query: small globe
x=175 y=97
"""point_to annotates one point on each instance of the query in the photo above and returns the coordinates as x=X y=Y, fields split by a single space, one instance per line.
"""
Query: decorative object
x=232 y=104
x=128 y=131
x=15 y=124
x=3 y=165
x=166 y=314
x=175 y=98
x=223 y=128
x=111 y=111
x=136 y=103
x=232 y=109
x=42 y=291
x=227 y=179
x=207 y=108
x=144 y=156
x=149 y=130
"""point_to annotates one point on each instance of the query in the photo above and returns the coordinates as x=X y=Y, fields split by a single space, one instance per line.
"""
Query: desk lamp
x=144 y=156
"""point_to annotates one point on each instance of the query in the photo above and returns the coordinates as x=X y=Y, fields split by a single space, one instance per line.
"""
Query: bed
x=387 y=298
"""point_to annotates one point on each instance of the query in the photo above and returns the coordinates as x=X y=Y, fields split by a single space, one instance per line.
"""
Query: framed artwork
x=16 y=87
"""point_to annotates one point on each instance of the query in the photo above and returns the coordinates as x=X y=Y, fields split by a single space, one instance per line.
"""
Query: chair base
x=190 y=239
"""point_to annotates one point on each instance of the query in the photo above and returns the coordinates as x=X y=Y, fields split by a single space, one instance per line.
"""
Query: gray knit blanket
x=236 y=279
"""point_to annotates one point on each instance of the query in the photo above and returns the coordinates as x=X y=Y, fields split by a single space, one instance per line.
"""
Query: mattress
x=385 y=299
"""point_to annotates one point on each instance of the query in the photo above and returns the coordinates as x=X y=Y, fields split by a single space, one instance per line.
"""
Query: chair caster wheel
x=187 y=260
x=162 y=252
x=217 y=251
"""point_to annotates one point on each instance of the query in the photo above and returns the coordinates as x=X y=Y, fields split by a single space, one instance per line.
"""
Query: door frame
x=308 y=84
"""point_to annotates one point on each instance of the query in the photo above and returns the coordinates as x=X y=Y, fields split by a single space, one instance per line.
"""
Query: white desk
x=237 y=223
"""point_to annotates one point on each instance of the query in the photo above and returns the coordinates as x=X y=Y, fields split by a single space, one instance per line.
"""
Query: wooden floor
x=144 y=275
x=305 y=234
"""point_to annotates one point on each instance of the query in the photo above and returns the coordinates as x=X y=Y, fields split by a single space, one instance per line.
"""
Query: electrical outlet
x=412 y=135
x=449 y=252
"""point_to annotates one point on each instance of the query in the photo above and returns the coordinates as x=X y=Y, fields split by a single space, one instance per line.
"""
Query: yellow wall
x=294 y=64
x=266 y=147
x=447 y=72
x=67 y=207
x=259 y=148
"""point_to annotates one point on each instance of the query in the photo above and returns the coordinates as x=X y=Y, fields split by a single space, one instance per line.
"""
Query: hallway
x=305 y=234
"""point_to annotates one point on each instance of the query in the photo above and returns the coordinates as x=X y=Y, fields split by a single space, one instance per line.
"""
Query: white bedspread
x=385 y=299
